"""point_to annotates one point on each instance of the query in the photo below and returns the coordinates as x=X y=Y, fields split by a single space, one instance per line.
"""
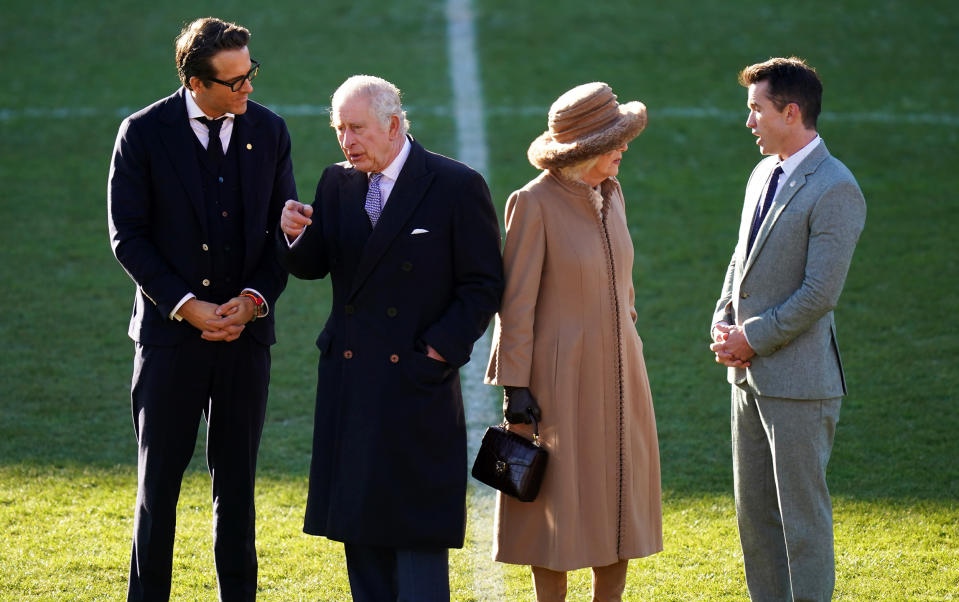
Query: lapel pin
x=249 y=146
x=791 y=184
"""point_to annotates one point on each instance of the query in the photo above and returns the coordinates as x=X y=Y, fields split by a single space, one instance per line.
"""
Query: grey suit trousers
x=780 y=451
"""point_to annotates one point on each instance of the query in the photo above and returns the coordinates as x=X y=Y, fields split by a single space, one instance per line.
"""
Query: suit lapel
x=177 y=138
x=407 y=193
x=752 y=198
x=786 y=192
x=250 y=153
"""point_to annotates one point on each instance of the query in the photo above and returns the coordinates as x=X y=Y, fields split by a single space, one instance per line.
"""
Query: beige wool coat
x=566 y=330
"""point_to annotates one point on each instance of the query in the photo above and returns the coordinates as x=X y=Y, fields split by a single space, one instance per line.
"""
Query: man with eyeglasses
x=196 y=186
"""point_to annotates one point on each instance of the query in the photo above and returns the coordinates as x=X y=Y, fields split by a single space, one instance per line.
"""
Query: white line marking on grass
x=487 y=576
x=473 y=104
x=467 y=91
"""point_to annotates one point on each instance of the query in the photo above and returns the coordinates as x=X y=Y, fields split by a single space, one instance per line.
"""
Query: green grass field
x=72 y=70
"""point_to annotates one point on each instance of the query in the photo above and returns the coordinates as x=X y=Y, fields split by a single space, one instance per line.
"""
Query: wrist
x=258 y=304
x=713 y=331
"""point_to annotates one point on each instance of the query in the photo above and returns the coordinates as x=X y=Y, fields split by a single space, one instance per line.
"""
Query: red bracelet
x=257 y=304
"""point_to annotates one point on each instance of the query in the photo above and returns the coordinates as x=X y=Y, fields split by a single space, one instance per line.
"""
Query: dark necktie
x=373 y=202
x=214 y=149
x=763 y=208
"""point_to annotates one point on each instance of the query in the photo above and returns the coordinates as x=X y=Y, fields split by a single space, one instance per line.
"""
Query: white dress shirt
x=790 y=164
x=392 y=172
x=201 y=130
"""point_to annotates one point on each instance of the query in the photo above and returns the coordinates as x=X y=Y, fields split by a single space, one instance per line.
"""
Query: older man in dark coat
x=411 y=242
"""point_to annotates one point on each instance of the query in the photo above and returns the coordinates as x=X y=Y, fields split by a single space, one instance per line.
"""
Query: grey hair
x=384 y=99
x=576 y=171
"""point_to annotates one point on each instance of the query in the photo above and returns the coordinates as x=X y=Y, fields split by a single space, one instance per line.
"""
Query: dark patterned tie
x=373 y=199
x=214 y=149
x=763 y=208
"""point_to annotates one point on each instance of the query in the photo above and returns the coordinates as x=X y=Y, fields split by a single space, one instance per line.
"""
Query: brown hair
x=200 y=40
x=791 y=80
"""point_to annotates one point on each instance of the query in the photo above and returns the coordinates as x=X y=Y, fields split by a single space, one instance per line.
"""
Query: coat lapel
x=177 y=138
x=786 y=192
x=410 y=187
x=354 y=223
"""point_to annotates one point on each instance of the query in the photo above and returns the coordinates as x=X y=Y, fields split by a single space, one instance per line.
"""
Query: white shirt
x=392 y=172
x=202 y=132
x=790 y=164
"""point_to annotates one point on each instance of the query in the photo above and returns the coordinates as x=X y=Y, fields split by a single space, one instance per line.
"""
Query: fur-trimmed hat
x=584 y=122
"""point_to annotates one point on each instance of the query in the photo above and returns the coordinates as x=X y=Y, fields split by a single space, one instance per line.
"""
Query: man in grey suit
x=773 y=327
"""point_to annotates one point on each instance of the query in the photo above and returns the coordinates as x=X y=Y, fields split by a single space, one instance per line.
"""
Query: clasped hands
x=730 y=346
x=219 y=322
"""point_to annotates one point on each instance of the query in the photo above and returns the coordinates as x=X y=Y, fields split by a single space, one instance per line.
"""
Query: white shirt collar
x=392 y=171
x=193 y=110
x=790 y=164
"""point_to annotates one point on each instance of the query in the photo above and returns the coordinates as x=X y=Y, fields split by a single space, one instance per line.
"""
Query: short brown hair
x=200 y=40
x=790 y=80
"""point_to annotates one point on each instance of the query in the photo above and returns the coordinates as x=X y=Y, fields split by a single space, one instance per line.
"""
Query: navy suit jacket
x=389 y=445
x=158 y=223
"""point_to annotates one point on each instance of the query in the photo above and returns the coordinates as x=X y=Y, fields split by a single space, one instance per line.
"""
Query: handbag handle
x=529 y=412
x=535 y=427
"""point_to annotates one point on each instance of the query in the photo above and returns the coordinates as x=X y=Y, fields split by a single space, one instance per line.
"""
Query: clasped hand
x=730 y=346
x=219 y=322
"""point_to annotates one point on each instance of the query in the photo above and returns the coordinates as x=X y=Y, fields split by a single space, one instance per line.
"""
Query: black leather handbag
x=511 y=463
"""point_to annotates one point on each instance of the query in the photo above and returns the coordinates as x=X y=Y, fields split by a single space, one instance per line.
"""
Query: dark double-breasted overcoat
x=389 y=461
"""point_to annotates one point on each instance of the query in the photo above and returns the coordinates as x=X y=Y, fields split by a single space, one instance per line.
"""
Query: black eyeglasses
x=238 y=82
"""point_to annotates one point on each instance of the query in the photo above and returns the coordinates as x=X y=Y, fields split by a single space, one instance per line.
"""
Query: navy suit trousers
x=173 y=387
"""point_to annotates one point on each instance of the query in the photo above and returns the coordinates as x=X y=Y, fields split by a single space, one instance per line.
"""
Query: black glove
x=518 y=404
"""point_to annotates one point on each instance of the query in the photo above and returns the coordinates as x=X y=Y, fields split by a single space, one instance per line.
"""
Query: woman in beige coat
x=566 y=350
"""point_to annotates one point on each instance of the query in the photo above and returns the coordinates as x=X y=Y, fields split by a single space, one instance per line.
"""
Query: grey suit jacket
x=783 y=293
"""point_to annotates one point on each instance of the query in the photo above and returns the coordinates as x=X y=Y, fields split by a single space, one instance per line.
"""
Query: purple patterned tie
x=373 y=204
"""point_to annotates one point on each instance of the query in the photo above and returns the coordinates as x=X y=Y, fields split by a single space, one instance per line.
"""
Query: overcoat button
x=391 y=312
x=394 y=358
x=406 y=266
x=348 y=354
x=744 y=295
x=205 y=282
x=350 y=310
